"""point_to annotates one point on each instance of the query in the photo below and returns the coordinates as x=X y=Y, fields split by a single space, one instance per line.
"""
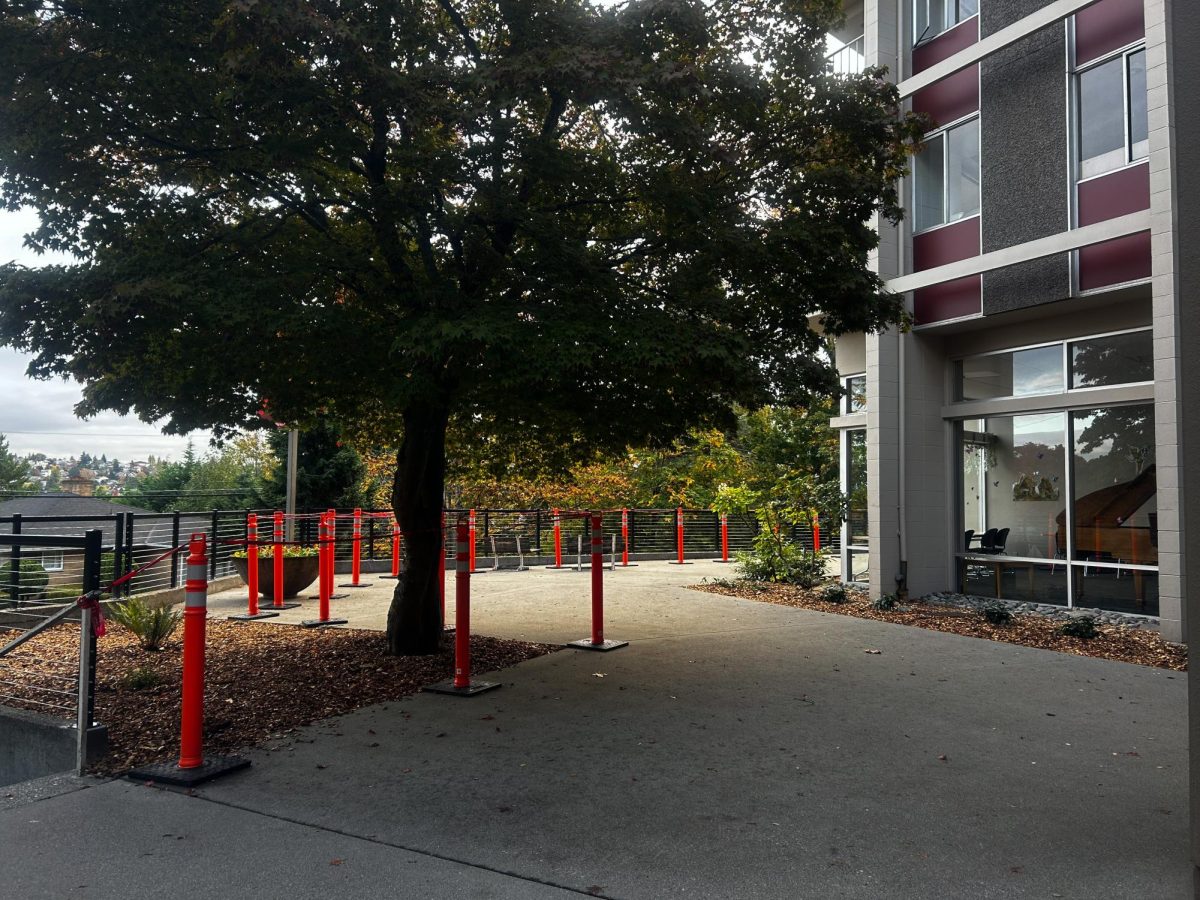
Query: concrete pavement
x=735 y=749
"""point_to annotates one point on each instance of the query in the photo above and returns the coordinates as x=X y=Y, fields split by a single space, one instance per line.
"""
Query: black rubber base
x=676 y=562
x=246 y=617
x=447 y=687
x=723 y=560
x=626 y=565
x=586 y=644
x=322 y=623
x=560 y=567
x=389 y=577
x=361 y=584
x=272 y=608
x=338 y=596
x=170 y=774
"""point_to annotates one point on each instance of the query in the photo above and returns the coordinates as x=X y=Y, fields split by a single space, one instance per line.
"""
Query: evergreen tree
x=14 y=471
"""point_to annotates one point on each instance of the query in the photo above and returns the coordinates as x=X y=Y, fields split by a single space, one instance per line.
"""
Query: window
x=1100 y=361
x=946 y=177
x=52 y=562
x=856 y=542
x=855 y=397
x=1113 y=124
x=932 y=17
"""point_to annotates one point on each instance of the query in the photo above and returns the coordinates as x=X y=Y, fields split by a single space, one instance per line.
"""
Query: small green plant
x=885 y=602
x=997 y=614
x=142 y=678
x=778 y=559
x=289 y=550
x=1083 y=628
x=33 y=579
x=151 y=623
x=833 y=593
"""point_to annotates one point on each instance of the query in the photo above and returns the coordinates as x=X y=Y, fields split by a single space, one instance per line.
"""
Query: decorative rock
x=1045 y=610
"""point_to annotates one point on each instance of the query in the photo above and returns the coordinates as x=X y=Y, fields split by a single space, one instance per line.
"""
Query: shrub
x=288 y=551
x=884 y=602
x=833 y=593
x=775 y=558
x=141 y=678
x=1083 y=628
x=151 y=623
x=997 y=613
x=33 y=579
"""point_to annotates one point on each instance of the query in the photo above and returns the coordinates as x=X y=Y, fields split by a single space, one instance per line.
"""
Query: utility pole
x=293 y=453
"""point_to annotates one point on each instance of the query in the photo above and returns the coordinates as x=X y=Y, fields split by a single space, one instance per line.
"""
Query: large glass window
x=854 y=399
x=1113 y=123
x=932 y=17
x=1018 y=373
x=946 y=177
x=1115 y=359
x=856 y=556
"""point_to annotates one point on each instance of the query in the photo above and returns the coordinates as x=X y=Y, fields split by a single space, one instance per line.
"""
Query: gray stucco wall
x=1023 y=136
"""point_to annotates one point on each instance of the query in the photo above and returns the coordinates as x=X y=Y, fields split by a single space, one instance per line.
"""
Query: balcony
x=848 y=59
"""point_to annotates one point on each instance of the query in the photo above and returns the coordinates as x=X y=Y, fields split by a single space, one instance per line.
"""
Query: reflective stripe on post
x=277 y=550
x=252 y=562
x=597 y=580
x=462 y=608
x=191 y=731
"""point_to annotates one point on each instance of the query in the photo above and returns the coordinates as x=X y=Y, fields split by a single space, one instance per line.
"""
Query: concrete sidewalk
x=735 y=749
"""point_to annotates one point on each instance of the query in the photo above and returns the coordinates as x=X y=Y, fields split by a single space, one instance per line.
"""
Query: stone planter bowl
x=298 y=573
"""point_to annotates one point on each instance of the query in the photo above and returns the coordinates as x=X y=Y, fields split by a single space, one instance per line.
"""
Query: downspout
x=902 y=493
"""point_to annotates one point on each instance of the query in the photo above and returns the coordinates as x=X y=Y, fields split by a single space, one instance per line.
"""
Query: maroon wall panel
x=1115 y=262
x=945 y=45
x=946 y=245
x=1106 y=26
x=1116 y=194
x=951 y=98
x=950 y=300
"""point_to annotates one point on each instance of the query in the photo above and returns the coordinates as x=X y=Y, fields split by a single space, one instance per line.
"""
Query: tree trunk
x=414 y=626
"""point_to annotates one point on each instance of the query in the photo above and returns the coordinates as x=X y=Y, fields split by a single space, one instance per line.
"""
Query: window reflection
x=1116 y=359
x=1021 y=373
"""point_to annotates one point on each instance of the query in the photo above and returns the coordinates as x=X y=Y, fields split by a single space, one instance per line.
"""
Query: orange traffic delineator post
x=557 y=540
x=461 y=685
x=252 y=611
x=395 y=553
x=277 y=577
x=192 y=768
x=724 y=539
x=625 y=563
x=679 y=539
x=324 y=580
x=331 y=516
x=816 y=533
x=597 y=641
x=356 y=555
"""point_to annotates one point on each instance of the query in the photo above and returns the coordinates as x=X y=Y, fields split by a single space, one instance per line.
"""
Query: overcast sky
x=37 y=415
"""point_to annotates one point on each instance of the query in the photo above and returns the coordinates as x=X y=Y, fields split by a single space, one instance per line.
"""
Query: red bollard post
x=557 y=541
x=277 y=556
x=192 y=768
x=816 y=533
x=442 y=570
x=395 y=552
x=195 y=613
x=724 y=539
x=461 y=684
x=324 y=579
x=252 y=610
x=597 y=641
x=679 y=538
x=356 y=554
x=624 y=538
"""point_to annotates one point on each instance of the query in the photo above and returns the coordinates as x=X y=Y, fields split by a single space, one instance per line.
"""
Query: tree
x=555 y=222
x=14 y=471
x=329 y=472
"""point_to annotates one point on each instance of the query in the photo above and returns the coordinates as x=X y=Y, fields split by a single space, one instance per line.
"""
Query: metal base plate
x=321 y=623
x=170 y=774
x=447 y=687
x=586 y=644
x=246 y=617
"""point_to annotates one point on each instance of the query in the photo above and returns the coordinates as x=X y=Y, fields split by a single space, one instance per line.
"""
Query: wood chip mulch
x=1131 y=645
x=262 y=681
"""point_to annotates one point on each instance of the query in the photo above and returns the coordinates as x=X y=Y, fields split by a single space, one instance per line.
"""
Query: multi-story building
x=1023 y=439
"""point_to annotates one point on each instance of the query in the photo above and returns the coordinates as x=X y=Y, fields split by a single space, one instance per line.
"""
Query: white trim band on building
x=1064 y=242
x=993 y=43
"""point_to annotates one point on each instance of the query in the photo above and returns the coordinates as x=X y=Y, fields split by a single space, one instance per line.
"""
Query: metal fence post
x=127 y=558
x=212 y=557
x=537 y=530
x=14 y=561
x=93 y=549
x=175 y=543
